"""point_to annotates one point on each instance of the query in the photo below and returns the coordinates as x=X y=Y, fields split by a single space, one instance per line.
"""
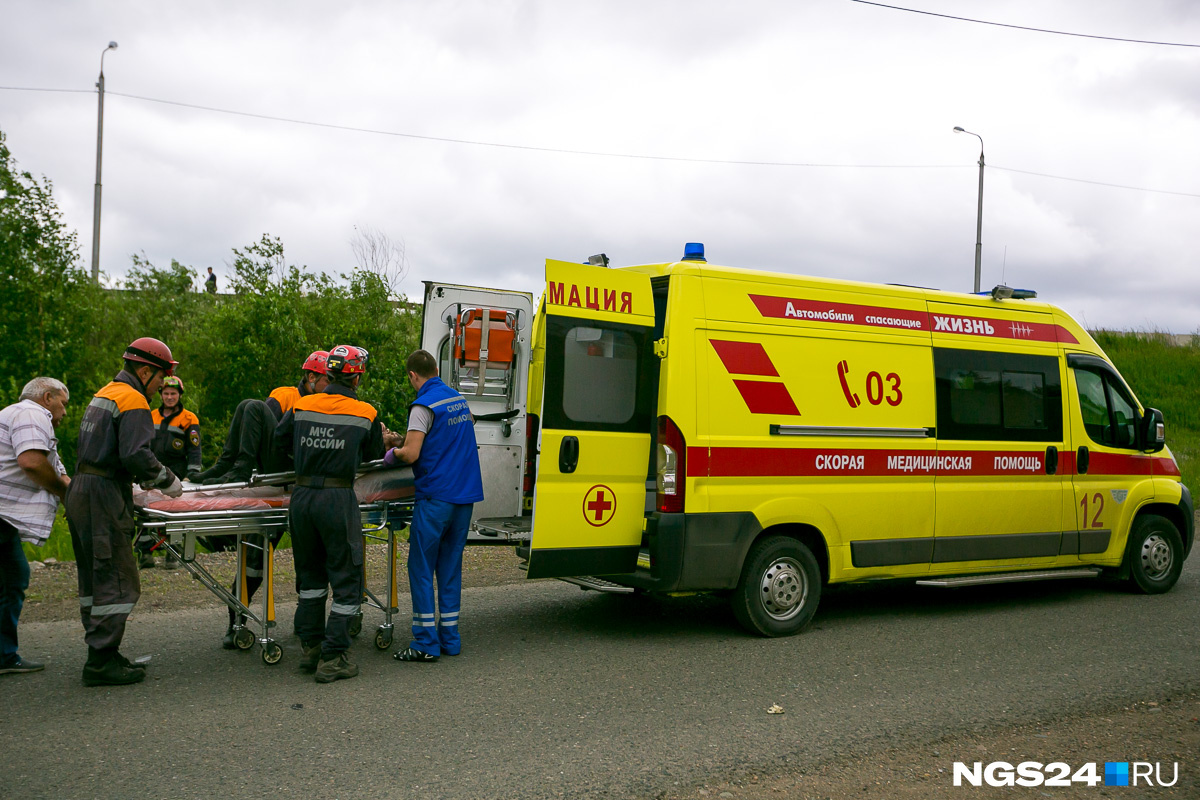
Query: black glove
x=193 y=475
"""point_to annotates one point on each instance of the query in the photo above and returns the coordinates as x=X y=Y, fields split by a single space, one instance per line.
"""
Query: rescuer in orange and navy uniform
x=176 y=431
x=329 y=434
x=114 y=450
x=177 y=445
x=251 y=444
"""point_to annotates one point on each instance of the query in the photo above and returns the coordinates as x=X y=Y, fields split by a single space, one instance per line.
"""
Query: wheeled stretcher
x=255 y=514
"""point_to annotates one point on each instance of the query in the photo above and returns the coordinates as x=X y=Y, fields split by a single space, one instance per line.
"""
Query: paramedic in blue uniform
x=440 y=444
x=329 y=434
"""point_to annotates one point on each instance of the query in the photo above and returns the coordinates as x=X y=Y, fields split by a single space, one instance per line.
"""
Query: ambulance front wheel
x=1155 y=554
x=779 y=589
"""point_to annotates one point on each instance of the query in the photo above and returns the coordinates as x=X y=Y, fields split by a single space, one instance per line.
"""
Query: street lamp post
x=979 y=217
x=99 y=150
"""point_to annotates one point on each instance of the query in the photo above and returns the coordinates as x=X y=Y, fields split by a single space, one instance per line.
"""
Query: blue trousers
x=14 y=580
x=435 y=546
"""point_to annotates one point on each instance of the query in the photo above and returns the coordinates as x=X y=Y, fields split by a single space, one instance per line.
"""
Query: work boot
x=310 y=657
x=145 y=559
x=336 y=668
x=112 y=671
x=172 y=561
x=227 y=640
x=130 y=664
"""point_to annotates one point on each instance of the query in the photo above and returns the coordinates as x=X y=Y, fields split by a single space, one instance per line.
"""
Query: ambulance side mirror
x=1152 y=432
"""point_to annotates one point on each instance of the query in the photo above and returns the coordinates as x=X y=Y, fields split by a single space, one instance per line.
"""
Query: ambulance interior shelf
x=483 y=362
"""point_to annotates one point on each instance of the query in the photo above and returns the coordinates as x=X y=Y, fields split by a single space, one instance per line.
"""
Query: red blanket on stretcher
x=380 y=486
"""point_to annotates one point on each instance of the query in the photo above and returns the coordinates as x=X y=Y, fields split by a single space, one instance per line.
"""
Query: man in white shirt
x=32 y=482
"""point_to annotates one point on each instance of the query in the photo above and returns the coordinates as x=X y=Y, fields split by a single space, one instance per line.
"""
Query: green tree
x=46 y=297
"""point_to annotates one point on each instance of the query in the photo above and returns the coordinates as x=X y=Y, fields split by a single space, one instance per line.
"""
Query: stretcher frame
x=177 y=532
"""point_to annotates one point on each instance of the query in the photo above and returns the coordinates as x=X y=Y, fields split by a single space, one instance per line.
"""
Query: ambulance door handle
x=1051 y=460
x=568 y=454
x=1081 y=460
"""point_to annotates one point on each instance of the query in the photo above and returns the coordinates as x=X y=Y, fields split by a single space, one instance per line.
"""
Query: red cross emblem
x=599 y=505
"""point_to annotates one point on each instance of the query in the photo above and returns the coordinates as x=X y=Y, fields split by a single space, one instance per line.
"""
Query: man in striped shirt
x=32 y=482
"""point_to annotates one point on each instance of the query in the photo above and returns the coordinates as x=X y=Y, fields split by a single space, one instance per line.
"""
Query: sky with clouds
x=849 y=106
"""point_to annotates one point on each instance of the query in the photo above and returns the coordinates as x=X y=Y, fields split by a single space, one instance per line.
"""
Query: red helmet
x=316 y=362
x=346 y=359
x=171 y=382
x=153 y=352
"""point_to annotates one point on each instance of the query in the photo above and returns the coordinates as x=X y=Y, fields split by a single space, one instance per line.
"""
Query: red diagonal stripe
x=767 y=397
x=744 y=358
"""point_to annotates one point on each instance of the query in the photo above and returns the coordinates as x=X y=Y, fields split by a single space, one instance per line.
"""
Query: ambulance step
x=595 y=584
x=1010 y=577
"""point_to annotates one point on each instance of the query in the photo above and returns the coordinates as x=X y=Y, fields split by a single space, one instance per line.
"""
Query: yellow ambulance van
x=686 y=427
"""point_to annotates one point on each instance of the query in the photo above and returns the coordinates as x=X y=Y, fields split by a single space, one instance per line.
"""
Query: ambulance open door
x=593 y=345
x=481 y=339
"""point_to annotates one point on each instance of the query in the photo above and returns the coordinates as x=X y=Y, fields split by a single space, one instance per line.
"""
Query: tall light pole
x=979 y=218
x=99 y=150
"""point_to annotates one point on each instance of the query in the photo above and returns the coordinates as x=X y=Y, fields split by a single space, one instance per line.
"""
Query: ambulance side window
x=1093 y=406
x=1125 y=417
x=596 y=376
x=1109 y=417
x=989 y=396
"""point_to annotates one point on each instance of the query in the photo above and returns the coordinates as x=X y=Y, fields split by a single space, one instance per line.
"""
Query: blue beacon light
x=693 y=251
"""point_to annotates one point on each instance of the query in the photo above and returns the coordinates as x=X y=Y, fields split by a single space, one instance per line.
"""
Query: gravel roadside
x=53 y=591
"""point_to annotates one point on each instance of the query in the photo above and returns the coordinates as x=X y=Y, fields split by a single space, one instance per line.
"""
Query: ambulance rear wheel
x=779 y=589
x=1155 y=554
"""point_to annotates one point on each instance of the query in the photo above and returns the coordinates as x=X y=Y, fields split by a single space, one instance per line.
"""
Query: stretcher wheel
x=383 y=639
x=272 y=653
x=355 y=627
x=244 y=639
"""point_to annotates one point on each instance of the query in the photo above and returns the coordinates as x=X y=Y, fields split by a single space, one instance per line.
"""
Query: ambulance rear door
x=597 y=414
x=481 y=339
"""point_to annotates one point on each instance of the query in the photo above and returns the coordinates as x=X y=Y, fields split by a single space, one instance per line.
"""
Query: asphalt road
x=565 y=693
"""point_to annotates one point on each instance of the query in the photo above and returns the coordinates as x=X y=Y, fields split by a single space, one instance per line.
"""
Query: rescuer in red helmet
x=330 y=434
x=114 y=451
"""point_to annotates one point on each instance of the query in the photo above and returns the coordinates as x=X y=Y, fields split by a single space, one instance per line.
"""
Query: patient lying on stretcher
x=374 y=486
